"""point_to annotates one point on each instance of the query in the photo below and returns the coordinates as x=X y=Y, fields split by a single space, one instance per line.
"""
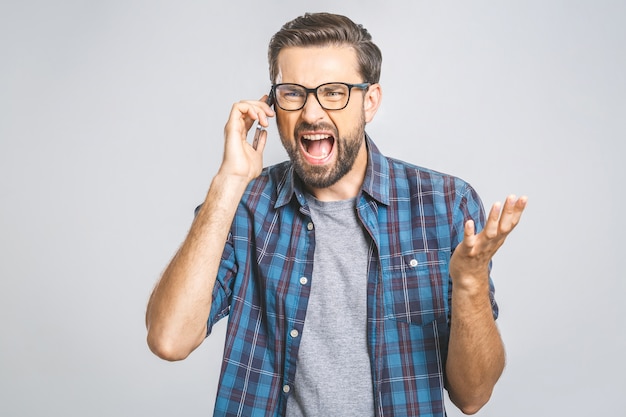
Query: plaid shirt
x=414 y=218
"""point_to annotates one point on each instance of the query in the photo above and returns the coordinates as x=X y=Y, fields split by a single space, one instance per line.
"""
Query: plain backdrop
x=111 y=127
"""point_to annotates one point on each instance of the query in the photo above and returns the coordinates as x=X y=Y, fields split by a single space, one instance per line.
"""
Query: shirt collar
x=375 y=184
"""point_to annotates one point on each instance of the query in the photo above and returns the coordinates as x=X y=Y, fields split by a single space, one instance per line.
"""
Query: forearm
x=180 y=304
x=475 y=351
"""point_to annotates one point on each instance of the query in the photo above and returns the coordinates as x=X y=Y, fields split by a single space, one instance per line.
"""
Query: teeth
x=315 y=137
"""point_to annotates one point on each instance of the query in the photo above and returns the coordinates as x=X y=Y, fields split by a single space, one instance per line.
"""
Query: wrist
x=472 y=285
x=229 y=181
x=470 y=305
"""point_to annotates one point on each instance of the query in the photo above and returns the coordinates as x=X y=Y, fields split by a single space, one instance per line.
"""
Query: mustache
x=308 y=127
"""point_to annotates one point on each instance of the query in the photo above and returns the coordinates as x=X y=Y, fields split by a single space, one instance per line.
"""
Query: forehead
x=315 y=65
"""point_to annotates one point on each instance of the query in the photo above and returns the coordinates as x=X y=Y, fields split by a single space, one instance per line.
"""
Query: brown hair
x=319 y=29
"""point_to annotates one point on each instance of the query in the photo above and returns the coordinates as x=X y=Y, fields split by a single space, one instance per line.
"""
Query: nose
x=312 y=110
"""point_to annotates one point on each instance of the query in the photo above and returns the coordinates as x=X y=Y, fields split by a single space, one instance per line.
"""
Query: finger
x=266 y=111
x=469 y=233
x=241 y=118
x=263 y=119
x=491 y=227
x=253 y=109
x=512 y=213
x=265 y=100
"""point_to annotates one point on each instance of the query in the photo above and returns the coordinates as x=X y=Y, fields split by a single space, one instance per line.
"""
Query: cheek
x=285 y=125
x=344 y=122
x=285 y=131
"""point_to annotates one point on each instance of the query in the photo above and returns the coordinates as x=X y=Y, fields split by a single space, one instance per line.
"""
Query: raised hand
x=470 y=261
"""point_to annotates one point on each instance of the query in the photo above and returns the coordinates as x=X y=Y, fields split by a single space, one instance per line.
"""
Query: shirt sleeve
x=469 y=206
x=220 y=303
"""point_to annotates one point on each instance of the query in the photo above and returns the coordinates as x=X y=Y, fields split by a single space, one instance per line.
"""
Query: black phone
x=257 y=134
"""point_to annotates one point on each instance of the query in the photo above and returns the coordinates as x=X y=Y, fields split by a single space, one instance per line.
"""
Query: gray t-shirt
x=333 y=373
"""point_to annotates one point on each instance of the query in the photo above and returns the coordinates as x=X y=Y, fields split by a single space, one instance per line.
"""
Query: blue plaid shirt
x=414 y=218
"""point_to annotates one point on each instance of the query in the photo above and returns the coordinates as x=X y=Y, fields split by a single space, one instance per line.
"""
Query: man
x=355 y=284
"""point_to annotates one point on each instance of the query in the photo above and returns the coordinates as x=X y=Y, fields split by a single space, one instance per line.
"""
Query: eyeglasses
x=331 y=96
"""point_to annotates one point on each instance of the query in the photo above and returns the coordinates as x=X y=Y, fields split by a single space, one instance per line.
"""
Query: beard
x=346 y=150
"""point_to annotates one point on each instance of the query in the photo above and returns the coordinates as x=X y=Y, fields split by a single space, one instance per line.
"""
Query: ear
x=371 y=102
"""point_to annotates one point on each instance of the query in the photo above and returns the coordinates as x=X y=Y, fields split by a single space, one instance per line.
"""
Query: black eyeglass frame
x=361 y=86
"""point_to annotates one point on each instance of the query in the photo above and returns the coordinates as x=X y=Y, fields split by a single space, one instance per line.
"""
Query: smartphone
x=257 y=134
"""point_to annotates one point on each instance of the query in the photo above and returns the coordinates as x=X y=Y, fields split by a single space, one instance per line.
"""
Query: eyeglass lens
x=330 y=96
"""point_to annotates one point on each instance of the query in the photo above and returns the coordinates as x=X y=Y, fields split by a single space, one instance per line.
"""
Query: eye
x=291 y=92
x=333 y=93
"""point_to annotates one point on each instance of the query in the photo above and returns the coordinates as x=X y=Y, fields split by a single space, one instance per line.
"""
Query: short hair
x=321 y=29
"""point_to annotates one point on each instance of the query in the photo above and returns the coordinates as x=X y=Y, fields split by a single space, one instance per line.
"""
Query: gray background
x=111 y=120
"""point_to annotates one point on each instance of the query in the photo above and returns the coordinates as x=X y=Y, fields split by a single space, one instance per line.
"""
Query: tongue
x=319 y=148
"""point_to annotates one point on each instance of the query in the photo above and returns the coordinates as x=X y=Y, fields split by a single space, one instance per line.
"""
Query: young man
x=355 y=284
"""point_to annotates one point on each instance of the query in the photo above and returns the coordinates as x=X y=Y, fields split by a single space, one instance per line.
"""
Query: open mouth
x=317 y=147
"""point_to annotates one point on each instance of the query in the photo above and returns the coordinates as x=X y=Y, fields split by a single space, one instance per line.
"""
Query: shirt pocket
x=416 y=287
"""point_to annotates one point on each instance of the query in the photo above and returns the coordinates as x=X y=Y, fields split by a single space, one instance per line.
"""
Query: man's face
x=324 y=145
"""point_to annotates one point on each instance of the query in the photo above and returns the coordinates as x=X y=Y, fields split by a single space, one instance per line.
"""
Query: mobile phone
x=257 y=134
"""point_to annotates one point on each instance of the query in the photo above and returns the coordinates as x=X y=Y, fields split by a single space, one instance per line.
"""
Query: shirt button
x=286 y=388
x=413 y=262
x=309 y=226
x=304 y=280
x=294 y=333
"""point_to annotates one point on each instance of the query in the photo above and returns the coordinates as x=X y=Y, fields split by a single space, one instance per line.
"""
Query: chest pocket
x=416 y=287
